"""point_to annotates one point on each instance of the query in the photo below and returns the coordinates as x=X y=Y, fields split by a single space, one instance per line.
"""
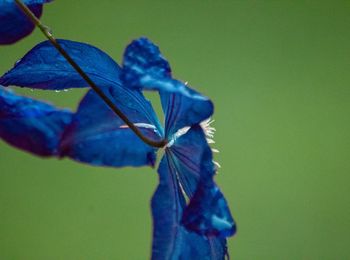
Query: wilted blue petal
x=14 y=24
x=208 y=212
x=97 y=136
x=171 y=240
x=31 y=125
x=44 y=67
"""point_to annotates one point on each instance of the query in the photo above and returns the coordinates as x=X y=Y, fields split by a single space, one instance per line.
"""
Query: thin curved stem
x=46 y=31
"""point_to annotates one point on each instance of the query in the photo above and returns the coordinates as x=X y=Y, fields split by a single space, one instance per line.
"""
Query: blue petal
x=44 y=67
x=143 y=59
x=31 y=125
x=97 y=136
x=171 y=240
x=14 y=25
x=188 y=155
x=144 y=67
x=182 y=111
x=208 y=212
x=33 y=2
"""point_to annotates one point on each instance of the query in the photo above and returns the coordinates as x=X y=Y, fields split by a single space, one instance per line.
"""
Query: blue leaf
x=14 y=24
x=171 y=240
x=44 y=67
x=97 y=136
x=31 y=125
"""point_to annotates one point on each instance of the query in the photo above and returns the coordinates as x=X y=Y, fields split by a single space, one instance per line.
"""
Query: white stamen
x=210 y=141
x=217 y=164
x=209 y=134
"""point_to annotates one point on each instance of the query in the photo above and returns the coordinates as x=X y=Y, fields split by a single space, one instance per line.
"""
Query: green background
x=278 y=73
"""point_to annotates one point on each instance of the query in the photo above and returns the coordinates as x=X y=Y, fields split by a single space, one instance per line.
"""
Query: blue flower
x=193 y=230
x=14 y=25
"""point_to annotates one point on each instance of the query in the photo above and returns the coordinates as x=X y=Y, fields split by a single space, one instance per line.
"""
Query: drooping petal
x=31 y=125
x=14 y=24
x=171 y=240
x=44 y=67
x=97 y=136
x=208 y=212
x=144 y=67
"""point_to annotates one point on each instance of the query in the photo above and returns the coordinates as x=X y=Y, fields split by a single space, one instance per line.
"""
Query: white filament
x=209 y=134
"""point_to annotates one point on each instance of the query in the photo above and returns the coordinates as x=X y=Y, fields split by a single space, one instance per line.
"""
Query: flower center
x=208 y=130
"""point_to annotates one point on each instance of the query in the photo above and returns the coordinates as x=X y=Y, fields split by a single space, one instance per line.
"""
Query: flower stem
x=46 y=31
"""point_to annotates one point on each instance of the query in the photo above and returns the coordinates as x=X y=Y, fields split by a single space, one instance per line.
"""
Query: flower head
x=14 y=24
x=193 y=230
x=187 y=168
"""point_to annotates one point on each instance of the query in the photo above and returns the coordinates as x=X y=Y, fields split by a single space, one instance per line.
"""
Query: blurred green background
x=278 y=73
